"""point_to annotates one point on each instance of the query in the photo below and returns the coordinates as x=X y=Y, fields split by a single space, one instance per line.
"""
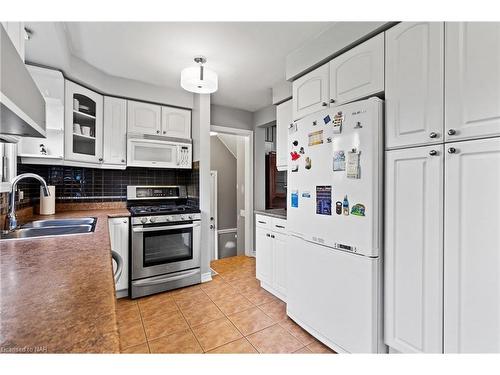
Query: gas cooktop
x=162 y=209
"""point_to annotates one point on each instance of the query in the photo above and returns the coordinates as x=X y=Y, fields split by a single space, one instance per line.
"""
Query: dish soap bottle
x=345 y=206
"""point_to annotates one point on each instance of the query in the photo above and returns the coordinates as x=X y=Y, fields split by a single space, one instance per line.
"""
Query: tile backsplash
x=76 y=184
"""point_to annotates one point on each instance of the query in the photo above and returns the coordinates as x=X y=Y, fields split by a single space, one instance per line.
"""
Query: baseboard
x=205 y=277
x=273 y=291
x=122 y=293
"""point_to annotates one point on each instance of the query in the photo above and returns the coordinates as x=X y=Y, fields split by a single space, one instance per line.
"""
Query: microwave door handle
x=168 y=227
x=178 y=154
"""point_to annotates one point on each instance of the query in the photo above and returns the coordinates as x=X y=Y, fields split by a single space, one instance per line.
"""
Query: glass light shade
x=194 y=79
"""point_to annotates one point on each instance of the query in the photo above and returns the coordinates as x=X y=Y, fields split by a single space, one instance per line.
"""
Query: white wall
x=264 y=116
x=231 y=117
x=282 y=91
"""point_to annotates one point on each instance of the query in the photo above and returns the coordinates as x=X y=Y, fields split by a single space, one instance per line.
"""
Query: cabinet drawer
x=263 y=221
x=279 y=225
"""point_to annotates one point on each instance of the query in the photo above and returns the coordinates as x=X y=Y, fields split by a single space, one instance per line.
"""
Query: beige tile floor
x=230 y=314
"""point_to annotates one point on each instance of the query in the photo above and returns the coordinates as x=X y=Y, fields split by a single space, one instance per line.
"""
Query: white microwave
x=158 y=152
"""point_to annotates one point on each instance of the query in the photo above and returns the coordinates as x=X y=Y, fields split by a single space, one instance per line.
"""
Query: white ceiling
x=249 y=57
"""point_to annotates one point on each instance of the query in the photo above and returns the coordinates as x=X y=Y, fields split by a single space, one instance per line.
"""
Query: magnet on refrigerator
x=295 y=198
x=345 y=206
x=324 y=200
x=315 y=138
x=339 y=160
x=352 y=168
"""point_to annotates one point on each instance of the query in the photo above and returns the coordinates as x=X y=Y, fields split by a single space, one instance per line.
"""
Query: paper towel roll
x=48 y=204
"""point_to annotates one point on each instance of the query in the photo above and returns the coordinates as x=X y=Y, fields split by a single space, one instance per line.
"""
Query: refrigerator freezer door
x=356 y=186
x=334 y=295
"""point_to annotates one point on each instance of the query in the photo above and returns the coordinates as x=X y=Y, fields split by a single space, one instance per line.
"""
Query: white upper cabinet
x=472 y=247
x=50 y=82
x=175 y=122
x=115 y=131
x=414 y=250
x=357 y=73
x=310 y=92
x=144 y=118
x=414 y=80
x=283 y=121
x=83 y=124
x=472 y=84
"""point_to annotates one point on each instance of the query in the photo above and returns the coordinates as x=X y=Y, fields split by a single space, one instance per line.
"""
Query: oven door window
x=167 y=246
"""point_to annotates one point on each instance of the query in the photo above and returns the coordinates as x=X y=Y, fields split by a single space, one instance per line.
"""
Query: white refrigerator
x=334 y=217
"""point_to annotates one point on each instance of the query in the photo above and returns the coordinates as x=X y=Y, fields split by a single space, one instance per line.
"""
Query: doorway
x=231 y=214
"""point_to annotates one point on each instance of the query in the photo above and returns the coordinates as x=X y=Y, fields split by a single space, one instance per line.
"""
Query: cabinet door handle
x=123 y=160
x=279 y=226
x=433 y=152
x=433 y=135
x=268 y=235
x=452 y=150
x=272 y=235
x=452 y=132
x=332 y=100
x=157 y=132
x=324 y=104
x=100 y=159
x=164 y=132
x=124 y=221
x=262 y=222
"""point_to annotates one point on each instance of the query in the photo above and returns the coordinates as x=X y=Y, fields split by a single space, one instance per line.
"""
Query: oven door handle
x=167 y=227
x=165 y=278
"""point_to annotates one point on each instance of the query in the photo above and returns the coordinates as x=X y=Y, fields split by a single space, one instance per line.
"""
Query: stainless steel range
x=165 y=239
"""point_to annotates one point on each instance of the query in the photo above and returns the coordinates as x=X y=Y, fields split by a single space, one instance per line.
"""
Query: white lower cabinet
x=279 y=262
x=264 y=255
x=271 y=254
x=414 y=250
x=472 y=247
x=442 y=256
x=119 y=237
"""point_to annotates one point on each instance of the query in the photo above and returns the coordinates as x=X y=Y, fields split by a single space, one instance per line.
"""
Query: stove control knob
x=144 y=220
x=152 y=219
x=190 y=217
x=169 y=218
x=183 y=217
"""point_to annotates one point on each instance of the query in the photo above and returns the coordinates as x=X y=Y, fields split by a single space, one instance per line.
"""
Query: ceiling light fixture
x=199 y=79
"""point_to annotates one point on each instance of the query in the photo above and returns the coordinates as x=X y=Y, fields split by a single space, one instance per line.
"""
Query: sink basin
x=60 y=222
x=48 y=228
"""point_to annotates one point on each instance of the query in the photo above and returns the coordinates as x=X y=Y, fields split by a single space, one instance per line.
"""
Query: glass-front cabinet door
x=83 y=124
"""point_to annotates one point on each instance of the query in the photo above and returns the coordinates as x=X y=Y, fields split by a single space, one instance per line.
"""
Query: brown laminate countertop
x=57 y=294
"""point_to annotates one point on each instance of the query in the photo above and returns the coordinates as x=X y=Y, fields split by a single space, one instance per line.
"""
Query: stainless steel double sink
x=53 y=227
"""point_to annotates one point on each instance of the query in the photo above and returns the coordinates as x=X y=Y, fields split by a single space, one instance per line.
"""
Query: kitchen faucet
x=11 y=216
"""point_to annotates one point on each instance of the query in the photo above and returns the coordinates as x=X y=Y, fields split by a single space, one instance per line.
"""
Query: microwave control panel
x=184 y=156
